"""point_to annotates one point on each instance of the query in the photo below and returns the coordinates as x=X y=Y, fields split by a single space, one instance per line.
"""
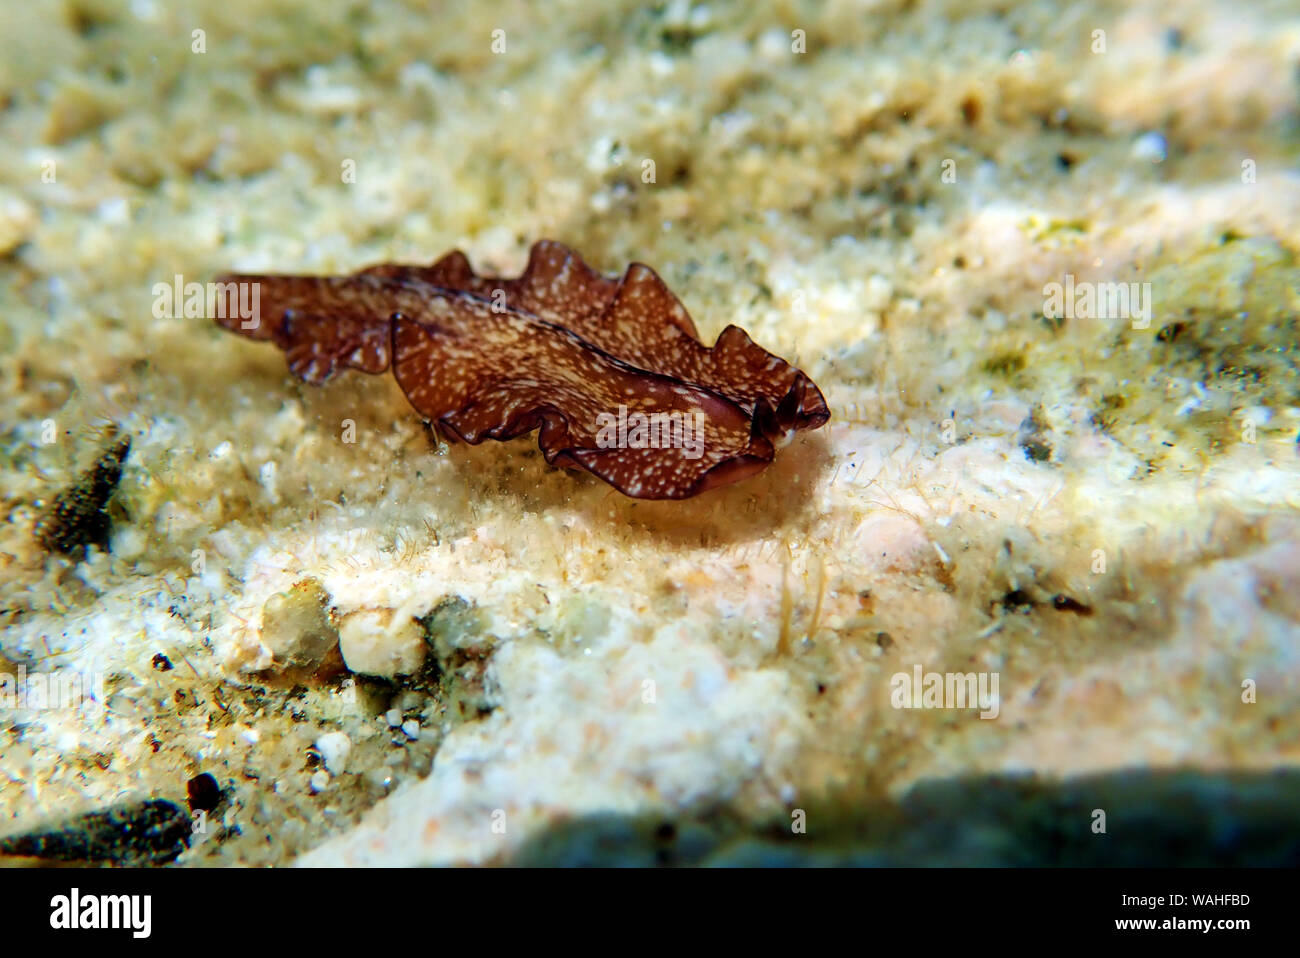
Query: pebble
x=204 y=792
x=1150 y=147
x=374 y=644
x=334 y=748
x=296 y=628
x=18 y=220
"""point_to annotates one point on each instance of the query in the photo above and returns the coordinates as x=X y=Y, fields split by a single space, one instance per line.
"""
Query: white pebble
x=375 y=642
x=1150 y=147
x=266 y=475
x=411 y=728
x=115 y=211
x=320 y=781
x=334 y=748
x=394 y=717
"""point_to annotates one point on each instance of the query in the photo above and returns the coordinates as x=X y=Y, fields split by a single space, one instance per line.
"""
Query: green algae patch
x=1218 y=363
x=455 y=633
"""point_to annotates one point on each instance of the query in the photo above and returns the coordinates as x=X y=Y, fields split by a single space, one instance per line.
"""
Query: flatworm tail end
x=322 y=324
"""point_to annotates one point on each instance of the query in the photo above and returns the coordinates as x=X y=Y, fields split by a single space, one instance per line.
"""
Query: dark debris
x=149 y=832
x=78 y=517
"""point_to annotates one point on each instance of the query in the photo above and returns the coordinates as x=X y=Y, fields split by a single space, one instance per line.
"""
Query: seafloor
x=1101 y=510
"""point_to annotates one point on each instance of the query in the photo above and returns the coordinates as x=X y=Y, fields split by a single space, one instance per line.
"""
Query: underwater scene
x=598 y=433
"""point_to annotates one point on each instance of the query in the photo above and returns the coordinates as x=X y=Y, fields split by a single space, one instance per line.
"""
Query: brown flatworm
x=610 y=371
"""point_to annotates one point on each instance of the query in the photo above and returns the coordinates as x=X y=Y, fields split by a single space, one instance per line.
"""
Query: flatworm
x=611 y=371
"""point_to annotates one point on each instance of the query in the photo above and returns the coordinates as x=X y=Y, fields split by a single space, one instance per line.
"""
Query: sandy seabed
x=1097 y=504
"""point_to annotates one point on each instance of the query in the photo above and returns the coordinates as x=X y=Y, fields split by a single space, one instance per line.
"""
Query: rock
x=297 y=630
x=79 y=105
x=455 y=635
x=373 y=644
